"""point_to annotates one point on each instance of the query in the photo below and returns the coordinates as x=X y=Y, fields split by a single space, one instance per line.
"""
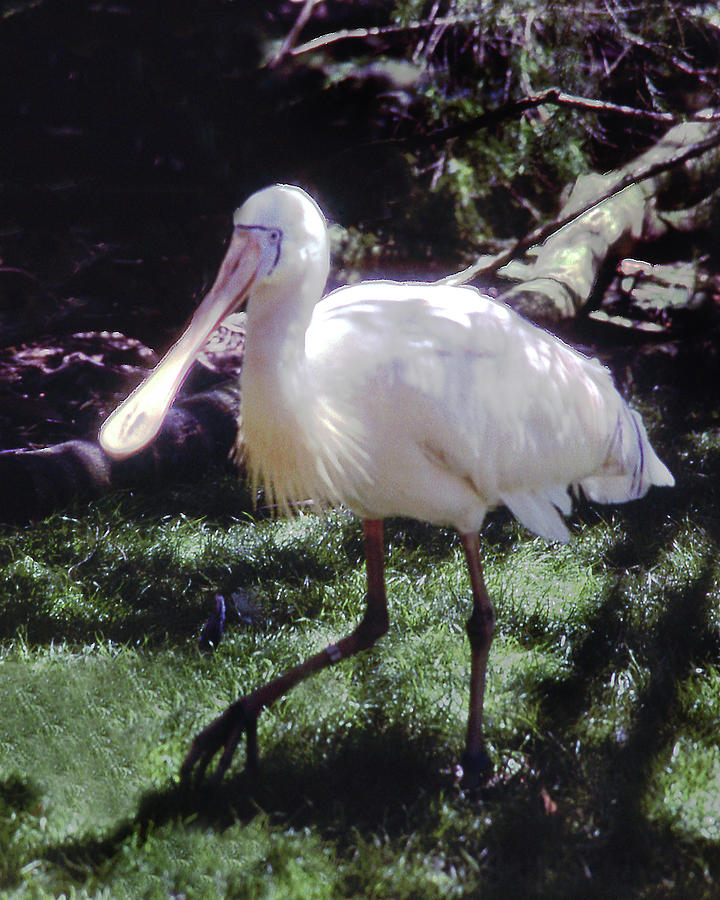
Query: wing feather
x=511 y=412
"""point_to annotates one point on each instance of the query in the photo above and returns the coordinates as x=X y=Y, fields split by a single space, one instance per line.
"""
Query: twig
x=422 y=43
x=629 y=40
x=553 y=96
x=542 y=233
x=15 y=270
x=345 y=34
x=292 y=35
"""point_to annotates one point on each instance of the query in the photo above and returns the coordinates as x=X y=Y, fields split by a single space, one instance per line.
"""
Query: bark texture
x=672 y=186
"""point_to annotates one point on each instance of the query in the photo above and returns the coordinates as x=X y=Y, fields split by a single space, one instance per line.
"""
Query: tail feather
x=539 y=512
x=632 y=466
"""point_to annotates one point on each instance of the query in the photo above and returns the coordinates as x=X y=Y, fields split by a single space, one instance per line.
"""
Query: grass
x=603 y=702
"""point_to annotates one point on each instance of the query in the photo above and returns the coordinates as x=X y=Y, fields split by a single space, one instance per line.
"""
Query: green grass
x=603 y=707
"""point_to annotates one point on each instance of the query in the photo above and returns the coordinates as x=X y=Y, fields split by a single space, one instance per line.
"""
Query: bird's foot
x=223 y=734
x=476 y=769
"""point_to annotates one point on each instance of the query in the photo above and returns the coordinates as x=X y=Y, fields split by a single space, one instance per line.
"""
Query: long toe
x=223 y=734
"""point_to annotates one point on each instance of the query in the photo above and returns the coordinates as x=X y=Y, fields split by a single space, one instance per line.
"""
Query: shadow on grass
x=618 y=838
x=385 y=781
x=367 y=784
x=147 y=595
x=390 y=785
x=388 y=782
x=597 y=842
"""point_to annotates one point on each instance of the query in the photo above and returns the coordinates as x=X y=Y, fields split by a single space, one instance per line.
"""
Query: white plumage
x=430 y=401
x=397 y=399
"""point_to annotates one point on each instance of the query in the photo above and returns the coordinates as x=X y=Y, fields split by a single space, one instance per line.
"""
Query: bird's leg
x=476 y=763
x=241 y=718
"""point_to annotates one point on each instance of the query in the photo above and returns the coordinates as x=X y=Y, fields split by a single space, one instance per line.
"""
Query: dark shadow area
x=617 y=832
x=370 y=781
x=20 y=800
x=380 y=781
x=132 y=131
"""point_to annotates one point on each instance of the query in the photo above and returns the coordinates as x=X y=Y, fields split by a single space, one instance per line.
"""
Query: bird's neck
x=275 y=336
x=279 y=313
x=273 y=381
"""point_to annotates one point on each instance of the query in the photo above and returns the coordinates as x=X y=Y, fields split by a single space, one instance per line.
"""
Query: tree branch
x=540 y=234
x=551 y=96
x=324 y=40
x=294 y=33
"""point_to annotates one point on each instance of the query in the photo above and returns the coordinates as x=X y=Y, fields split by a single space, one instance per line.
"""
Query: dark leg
x=227 y=730
x=480 y=627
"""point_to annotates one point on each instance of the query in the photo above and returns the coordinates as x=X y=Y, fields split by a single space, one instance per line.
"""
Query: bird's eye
x=274 y=236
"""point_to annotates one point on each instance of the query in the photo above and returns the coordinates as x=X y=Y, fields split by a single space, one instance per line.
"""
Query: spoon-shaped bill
x=138 y=419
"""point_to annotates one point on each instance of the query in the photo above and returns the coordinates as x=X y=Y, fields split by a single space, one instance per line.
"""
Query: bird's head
x=279 y=240
x=279 y=236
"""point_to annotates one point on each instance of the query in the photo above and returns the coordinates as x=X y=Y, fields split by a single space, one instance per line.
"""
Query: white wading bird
x=395 y=399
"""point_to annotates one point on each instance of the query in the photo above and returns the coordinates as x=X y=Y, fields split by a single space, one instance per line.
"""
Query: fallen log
x=200 y=431
x=674 y=185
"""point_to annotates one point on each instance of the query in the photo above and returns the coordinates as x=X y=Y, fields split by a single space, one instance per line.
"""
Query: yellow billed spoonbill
x=394 y=399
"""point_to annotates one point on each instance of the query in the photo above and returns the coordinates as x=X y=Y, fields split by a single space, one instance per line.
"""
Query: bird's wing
x=488 y=397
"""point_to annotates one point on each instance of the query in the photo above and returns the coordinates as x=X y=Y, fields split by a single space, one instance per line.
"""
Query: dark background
x=132 y=130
